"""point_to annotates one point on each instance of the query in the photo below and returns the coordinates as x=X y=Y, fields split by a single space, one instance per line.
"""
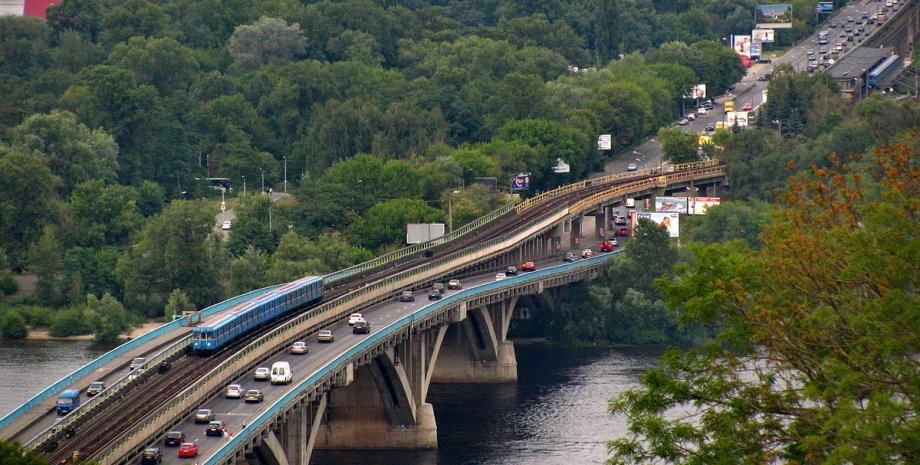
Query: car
x=810 y=51
x=690 y=117
x=174 y=439
x=569 y=257
x=766 y=77
x=438 y=287
x=204 y=415
x=614 y=242
x=151 y=455
x=299 y=347
x=361 y=327
x=225 y=226
x=812 y=58
x=709 y=127
x=850 y=19
x=215 y=428
x=354 y=317
x=234 y=391
x=865 y=15
x=500 y=276
x=587 y=253
x=682 y=122
x=619 y=219
x=528 y=266
x=263 y=374
x=732 y=87
x=434 y=294
x=823 y=50
x=188 y=450
x=137 y=363
x=747 y=106
x=701 y=111
x=254 y=396
x=511 y=270
x=764 y=60
x=622 y=232
x=606 y=246
x=407 y=296
x=832 y=25
x=95 y=388
x=632 y=167
x=326 y=335
x=454 y=284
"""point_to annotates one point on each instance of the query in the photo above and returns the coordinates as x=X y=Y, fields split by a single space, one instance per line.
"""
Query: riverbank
x=42 y=334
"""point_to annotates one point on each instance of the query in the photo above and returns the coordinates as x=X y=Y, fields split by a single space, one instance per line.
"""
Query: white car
x=701 y=111
x=454 y=284
x=354 y=317
x=500 y=276
x=326 y=336
x=632 y=167
x=225 y=226
x=263 y=374
x=234 y=391
x=299 y=347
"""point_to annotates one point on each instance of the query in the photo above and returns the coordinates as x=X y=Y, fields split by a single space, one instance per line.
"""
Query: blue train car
x=880 y=73
x=251 y=314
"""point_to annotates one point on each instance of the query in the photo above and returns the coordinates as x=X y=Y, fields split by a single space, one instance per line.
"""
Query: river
x=556 y=414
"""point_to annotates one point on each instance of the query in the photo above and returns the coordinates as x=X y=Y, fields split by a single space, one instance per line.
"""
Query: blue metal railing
x=119 y=351
x=255 y=425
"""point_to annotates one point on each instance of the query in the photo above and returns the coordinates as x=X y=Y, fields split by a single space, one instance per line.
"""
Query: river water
x=556 y=414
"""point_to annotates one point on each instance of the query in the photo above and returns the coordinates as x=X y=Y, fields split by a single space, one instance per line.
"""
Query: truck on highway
x=68 y=401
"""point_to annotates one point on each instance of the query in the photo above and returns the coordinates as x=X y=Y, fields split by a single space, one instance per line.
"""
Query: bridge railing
x=117 y=352
x=375 y=338
x=323 y=315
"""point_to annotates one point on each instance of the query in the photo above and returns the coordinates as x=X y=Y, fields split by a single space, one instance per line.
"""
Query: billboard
x=756 y=48
x=737 y=117
x=520 y=182
x=671 y=204
x=671 y=221
x=416 y=233
x=604 y=142
x=561 y=167
x=698 y=91
x=742 y=45
x=824 y=7
x=698 y=205
x=773 y=16
x=763 y=35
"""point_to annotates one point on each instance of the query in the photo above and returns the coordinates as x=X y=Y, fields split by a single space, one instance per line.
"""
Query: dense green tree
x=27 y=203
x=384 y=224
x=70 y=321
x=13 y=453
x=150 y=198
x=609 y=26
x=267 y=41
x=355 y=46
x=12 y=325
x=757 y=163
x=102 y=215
x=247 y=271
x=177 y=303
x=74 y=52
x=730 y=220
x=162 y=63
x=91 y=271
x=175 y=250
x=46 y=263
x=328 y=205
x=537 y=31
x=338 y=130
x=129 y=18
x=678 y=146
x=108 y=318
x=553 y=141
x=293 y=260
x=816 y=373
x=24 y=41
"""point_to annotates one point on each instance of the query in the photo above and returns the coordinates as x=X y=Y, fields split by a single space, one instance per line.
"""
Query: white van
x=630 y=203
x=281 y=373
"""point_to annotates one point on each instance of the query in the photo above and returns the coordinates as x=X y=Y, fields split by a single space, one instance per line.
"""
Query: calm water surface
x=555 y=414
x=27 y=367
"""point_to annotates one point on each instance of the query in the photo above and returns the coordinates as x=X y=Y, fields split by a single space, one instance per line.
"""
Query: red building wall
x=38 y=7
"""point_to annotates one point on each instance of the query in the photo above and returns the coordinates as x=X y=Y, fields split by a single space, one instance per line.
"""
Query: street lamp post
x=262 y=170
x=244 y=183
x=450 y=211
x=285 y=173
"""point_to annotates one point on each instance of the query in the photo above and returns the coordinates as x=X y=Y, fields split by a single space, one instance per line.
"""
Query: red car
x=528 y=266
x=188 y=449
x=622 y=232
x=747 y=107
x=606 y=246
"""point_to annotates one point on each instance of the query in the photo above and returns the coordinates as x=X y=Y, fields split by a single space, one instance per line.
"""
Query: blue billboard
x=824 y=7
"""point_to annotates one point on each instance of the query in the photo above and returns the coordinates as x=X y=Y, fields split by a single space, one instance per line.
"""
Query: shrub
x=70 y=322
x=8 y=285
x=13 y=325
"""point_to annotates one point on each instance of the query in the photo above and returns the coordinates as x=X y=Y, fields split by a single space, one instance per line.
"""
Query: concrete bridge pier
x=476 y=349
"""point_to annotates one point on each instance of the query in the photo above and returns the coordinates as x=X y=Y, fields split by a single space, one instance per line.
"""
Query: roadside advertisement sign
x=671 y=221
x=824 y=7
x=520 y=182
x=737 y=117
x=742 y=45
x=698 y=91
x=765 y=36
x=561 y=167
x=703 y=140
x=671 y=204
x=756 y=49
x=416 y=233
x=698 y=205
x=773 y=16
x=604 y=142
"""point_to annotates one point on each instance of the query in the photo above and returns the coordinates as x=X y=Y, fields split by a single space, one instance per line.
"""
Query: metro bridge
x=362 y=391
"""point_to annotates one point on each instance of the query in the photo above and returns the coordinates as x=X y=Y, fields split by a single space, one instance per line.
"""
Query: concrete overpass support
x=380 y=409
x=476 y=350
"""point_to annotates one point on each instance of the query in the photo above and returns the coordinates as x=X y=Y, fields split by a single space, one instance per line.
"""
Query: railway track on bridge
x=158 y=387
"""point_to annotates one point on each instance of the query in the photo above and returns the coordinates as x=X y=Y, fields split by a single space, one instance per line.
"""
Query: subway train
x=251 y=314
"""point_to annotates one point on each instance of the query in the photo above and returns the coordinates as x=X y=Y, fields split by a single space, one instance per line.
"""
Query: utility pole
x=244 y=184
x=285 y=173
x=261 y=170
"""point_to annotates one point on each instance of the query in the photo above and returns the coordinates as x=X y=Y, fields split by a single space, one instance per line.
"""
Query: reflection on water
x=27 y=367
x=555 y=414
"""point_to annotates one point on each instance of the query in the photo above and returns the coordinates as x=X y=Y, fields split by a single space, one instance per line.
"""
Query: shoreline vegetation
x=43 y=335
